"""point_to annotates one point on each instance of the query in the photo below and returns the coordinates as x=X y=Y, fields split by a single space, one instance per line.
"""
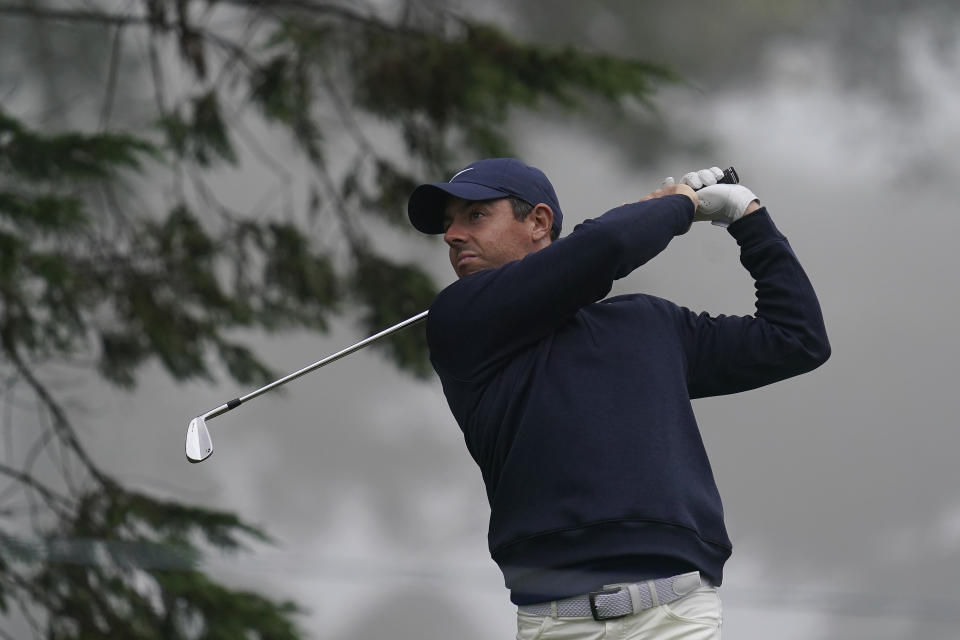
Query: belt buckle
x=592 y=597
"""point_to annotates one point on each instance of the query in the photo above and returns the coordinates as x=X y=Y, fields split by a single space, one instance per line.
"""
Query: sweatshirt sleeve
x=785 y=337
x=481 y=320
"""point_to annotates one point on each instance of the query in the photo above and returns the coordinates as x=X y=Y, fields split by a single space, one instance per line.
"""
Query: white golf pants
x=696 y=616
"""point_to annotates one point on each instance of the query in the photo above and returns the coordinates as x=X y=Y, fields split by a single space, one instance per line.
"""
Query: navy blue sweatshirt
x=577 y=409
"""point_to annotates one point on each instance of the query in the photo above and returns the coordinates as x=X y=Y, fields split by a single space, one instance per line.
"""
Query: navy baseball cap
x=487 y=179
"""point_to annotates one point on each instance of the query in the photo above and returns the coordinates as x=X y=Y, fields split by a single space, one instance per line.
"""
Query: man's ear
x=541 y=217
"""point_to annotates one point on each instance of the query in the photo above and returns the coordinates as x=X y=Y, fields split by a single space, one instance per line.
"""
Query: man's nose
x=454 y=234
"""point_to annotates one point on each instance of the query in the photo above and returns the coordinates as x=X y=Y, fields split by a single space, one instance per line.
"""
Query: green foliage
x=471 y=83
x=42 y=213
x=41 y=293
x=28 y=155
x=300 y=284
x=94 y=269
x=163 y=294
x=204 y=136
x=228 y=613
x=180 y=303
x=393 y=186
x=392 y=293
x=120 y=549
x=282 y=88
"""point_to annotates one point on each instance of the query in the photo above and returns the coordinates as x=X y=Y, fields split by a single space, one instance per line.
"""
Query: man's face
x=484 y=234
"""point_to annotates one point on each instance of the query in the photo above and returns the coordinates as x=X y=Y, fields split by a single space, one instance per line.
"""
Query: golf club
x=199 y=444
x=729 y=176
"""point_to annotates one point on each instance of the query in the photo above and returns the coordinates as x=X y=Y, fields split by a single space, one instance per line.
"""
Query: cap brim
x=428 y=201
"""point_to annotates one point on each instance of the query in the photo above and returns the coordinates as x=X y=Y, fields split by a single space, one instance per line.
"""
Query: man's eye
x=476 y=214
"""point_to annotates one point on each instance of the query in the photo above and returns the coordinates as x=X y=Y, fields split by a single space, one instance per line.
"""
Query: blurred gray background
x=840 y=487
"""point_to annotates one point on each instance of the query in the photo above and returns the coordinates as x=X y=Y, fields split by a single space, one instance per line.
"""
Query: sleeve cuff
x=754 y=229
x=686 y=210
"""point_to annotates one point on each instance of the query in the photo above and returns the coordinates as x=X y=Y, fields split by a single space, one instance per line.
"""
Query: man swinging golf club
x=605 y=517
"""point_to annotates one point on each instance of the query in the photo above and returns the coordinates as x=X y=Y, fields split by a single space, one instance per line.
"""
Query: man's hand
x=724 y=204
x=673 y=189
x=721 y=204
x=700 y=179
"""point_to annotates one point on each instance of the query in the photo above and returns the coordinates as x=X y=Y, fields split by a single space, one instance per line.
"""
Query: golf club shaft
x=236 y=402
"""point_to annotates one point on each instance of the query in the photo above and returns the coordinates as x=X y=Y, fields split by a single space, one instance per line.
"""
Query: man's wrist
x=747 y=227
x=688 y=191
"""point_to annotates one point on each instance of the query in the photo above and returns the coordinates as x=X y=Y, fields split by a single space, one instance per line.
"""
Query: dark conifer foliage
x=117 y=251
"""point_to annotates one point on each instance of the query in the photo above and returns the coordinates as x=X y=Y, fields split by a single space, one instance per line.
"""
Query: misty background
x=840 y=486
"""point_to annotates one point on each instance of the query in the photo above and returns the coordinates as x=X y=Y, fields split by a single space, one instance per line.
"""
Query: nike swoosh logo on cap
x=460 y=172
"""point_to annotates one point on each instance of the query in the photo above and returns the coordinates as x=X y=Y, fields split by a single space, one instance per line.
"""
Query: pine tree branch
x=277 y=8
x=156 y=72
x=112 y=74
x=358 y=244
x=259 y=152
x=9 y=405
x=39 y=595
x=70 y=15
x=341 y=12
x=36 y=448
x=60 y=504
x=346 y=114
x=43 y=443
x=117 y=20
x=60 y=421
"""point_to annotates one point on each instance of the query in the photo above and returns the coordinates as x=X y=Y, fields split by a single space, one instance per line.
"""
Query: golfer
x=604 y=514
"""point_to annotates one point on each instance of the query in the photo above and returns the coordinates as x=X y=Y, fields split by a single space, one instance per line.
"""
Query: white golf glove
x=702 y=178
x=721 y=204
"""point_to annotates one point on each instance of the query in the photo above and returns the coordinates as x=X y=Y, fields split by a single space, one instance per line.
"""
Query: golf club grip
x=729 y=176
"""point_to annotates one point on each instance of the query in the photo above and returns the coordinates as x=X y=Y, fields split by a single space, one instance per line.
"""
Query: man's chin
x=471 y=268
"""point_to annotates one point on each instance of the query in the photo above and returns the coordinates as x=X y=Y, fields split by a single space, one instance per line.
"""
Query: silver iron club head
x=199 y=445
